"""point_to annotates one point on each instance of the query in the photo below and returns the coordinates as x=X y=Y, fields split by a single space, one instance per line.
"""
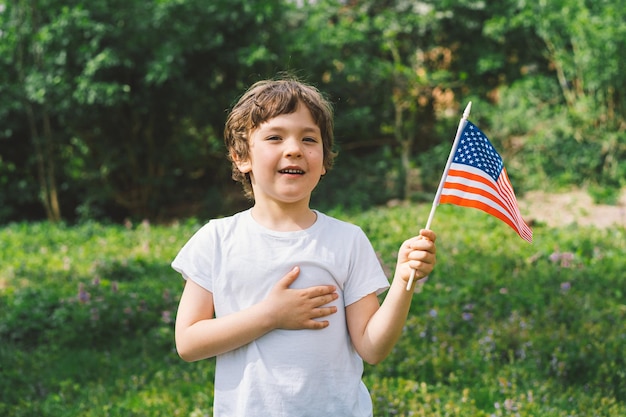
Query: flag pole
x=455 y=144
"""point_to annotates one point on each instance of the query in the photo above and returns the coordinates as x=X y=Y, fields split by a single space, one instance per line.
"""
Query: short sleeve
x=195 y=261
x=366 y=274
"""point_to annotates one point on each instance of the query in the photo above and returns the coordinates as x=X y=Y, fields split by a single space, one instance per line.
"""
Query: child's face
x=286 y=158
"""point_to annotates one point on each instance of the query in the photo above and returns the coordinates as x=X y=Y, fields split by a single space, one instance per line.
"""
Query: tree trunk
x=43 y=145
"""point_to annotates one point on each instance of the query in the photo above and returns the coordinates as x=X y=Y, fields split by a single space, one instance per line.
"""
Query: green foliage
x=376 y=171
x=102 y=300
x=121 y=102
x=501 y=328
x=114 y=109
x=579 y=135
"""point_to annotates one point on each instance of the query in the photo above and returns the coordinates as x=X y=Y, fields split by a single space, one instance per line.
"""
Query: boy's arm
x=199 y=335
x=375 y=330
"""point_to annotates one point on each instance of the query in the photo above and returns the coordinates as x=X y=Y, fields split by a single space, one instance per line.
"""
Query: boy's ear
x=244 y=165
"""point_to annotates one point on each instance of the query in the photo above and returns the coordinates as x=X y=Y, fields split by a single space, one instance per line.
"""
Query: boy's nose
x=293 y=149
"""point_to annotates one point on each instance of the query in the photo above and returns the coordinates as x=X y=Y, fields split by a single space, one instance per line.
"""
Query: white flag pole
x=455 y=144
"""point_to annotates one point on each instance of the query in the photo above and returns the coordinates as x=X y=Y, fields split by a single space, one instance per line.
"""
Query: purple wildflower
x=555 y=256
x=564 y=259
x=83 y=295
x=166 y=316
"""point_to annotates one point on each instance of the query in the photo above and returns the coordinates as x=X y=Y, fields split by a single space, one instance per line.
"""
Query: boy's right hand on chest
x=296 y=309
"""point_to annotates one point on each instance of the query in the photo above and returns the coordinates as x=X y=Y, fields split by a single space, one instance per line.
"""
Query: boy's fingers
x=290 y=277
x=326 y=311
x=428 y=234
x=317 y=325
x=327 y=298
x=422 y=244
x=323 y=290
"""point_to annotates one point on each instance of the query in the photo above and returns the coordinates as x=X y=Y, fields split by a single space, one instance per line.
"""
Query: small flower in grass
x=114 y=286
x=565 y=286
x=504 y=290
x=83 y=295
x=433 y=313
x=510 y=405
x=555 y=256
x=467 y=315
x=96 y=281
x=565 y=259
x=484 y=340
x=166 y=316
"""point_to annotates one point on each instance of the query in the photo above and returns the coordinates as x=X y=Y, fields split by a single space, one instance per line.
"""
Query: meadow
x=502 y=328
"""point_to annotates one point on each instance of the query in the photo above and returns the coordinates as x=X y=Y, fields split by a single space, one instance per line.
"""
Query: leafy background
x=114 y=109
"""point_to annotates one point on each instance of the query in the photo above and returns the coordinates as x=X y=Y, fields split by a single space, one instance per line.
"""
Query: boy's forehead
x=302 y=115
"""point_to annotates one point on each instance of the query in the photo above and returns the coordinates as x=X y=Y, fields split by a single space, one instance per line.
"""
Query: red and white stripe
x=471 y=187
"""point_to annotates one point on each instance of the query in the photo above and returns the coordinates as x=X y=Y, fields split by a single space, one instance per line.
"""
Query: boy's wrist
x=417 y=285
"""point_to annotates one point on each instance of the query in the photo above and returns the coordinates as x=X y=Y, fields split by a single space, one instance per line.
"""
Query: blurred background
x=114 y=109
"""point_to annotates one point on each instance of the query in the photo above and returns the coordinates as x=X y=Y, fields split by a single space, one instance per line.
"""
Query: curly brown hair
x=265 y=100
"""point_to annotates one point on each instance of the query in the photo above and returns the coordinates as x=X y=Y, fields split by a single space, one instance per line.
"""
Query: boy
x=283 y=295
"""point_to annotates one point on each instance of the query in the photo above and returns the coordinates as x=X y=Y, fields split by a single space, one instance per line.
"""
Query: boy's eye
x=310 y=140
x=273 y=138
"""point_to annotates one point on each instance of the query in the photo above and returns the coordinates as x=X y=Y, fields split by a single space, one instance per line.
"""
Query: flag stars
x=476 y=150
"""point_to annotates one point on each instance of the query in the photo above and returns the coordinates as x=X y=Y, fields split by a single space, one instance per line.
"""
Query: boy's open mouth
x=291 y=171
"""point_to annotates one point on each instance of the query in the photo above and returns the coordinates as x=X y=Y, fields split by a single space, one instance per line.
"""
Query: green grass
x=502 y=327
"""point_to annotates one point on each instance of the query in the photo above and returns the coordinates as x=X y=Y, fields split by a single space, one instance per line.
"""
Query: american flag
x=477 y=178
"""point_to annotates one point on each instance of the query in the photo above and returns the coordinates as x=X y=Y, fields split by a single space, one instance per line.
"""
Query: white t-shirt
x=285 y=372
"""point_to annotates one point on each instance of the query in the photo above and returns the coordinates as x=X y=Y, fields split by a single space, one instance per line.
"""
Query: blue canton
x=476 y=151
